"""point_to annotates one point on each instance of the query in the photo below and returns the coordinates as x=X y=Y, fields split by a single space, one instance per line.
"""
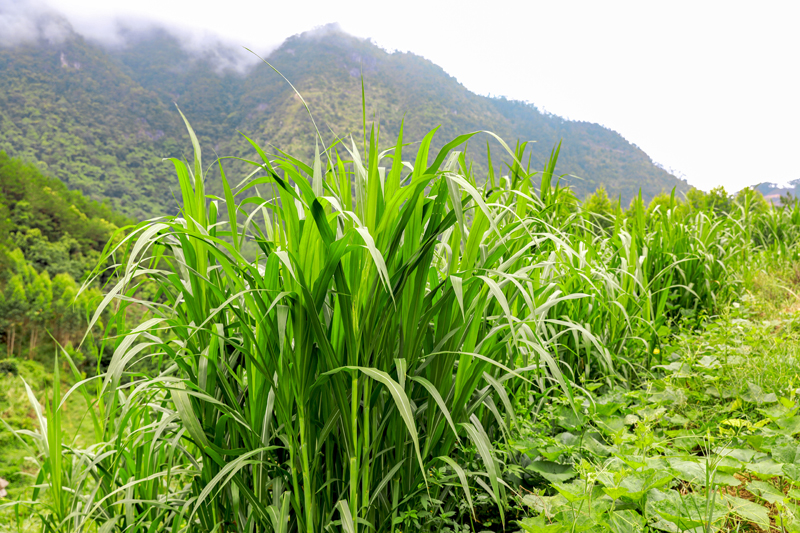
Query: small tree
x=601 y=210
x=13 y=310
x=696 y=200
x=65 y=312
x=40 y=294
x=751 y=200
x=719 y=200
x=661 y=203
x=787 y=200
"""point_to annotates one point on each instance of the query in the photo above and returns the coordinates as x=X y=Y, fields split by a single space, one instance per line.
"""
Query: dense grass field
x=363 y=343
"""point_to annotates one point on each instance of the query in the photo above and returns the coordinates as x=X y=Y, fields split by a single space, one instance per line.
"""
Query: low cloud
x=321 y=32
x=30 y=21
x=197 y=43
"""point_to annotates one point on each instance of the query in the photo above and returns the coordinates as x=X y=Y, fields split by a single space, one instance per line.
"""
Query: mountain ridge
x=101 y=118
x=776 y=192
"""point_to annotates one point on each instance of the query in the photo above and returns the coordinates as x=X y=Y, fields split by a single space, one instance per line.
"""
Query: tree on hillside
x=662 y=203
x=50 y=238
x=12 y=310
x=66 y=312
x=696 y=200
x=601 y=210
x=40 y=297
x=34 y=305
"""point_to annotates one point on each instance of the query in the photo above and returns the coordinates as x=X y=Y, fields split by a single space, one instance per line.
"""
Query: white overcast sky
x=710 y=90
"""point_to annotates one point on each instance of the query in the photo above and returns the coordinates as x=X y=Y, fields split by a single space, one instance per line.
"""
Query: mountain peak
x=332 y=29
x=330 y=36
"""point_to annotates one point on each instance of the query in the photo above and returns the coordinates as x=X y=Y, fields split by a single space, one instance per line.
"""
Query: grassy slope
x=16 y=410
x=51 y=207
x=51 y=238
x=55 y=214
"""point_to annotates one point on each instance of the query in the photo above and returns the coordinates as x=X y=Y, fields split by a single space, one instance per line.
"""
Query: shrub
x=8 y=367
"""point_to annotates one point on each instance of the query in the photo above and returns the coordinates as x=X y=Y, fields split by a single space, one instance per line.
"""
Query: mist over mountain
x=99 y=114
x=30 y=21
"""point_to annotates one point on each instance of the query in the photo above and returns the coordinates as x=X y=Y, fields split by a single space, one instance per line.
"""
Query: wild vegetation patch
x=360 y=343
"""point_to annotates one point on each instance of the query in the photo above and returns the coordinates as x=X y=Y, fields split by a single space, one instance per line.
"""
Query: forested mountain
x=73 y=109
x=100 y=118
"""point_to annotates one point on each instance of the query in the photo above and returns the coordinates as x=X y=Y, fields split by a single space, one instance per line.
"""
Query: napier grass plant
x=367 y=345
x=393 y=322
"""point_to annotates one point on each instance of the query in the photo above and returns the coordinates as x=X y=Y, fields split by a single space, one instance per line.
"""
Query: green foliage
x=358 y=369
x=59 y=230
x=34 y=305
x=73 y=111
x=718 y=200
x=696 y=200
x=601 y=210
x=396 y=323
x=708 y=443
x=51 y=240
x=21 y=458
x=751 y=200
x=8 y=367
x=662 y=203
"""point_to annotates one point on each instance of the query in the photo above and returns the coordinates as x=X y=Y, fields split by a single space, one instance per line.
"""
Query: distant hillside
x=773 y=191
x=73 y=110
x=101 y=119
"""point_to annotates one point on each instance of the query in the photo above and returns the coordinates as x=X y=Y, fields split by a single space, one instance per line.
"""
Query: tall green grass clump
x=366 y=347
x=354 y=372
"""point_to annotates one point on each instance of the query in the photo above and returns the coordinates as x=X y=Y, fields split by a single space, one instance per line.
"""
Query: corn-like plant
x=335 y=344
x=367 y=344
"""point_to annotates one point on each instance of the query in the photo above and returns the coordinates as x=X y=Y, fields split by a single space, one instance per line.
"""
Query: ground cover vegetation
x=708 y=444
x=416 y=348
